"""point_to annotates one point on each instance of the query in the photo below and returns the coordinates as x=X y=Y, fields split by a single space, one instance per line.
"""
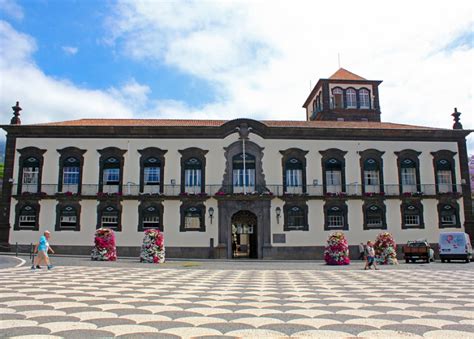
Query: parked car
x=455 y=246
x=418 y=250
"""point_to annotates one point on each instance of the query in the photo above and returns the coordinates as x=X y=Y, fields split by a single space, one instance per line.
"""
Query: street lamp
x=278 y=214
x=211 y=213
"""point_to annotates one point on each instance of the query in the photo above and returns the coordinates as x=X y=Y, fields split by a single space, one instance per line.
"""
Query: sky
x=72 y=59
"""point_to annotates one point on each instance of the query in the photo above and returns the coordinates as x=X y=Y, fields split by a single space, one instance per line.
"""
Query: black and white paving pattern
x=84 y=302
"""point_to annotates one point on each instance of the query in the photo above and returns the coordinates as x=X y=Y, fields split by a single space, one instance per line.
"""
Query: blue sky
x=66 y=59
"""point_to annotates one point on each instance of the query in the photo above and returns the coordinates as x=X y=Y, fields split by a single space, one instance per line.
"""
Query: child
x=370 y=255
x=42 y=249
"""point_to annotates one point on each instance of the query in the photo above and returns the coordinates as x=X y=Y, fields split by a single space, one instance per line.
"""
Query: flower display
x=385 y=249
x=153 y=247
x=337 y=250
x=104 y=249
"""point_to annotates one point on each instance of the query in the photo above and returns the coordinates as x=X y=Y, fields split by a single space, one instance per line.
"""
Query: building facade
x=238 y=188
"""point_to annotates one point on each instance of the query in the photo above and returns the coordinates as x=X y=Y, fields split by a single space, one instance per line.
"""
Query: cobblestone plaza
x=223 y=299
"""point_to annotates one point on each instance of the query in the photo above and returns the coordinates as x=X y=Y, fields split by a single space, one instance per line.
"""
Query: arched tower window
x=351 y=98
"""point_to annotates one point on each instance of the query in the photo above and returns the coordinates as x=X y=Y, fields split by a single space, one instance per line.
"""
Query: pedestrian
x=42 y=248
x=370 y=255
x=361 y=251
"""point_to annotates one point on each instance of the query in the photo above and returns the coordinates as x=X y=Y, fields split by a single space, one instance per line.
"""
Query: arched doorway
x=244 y=235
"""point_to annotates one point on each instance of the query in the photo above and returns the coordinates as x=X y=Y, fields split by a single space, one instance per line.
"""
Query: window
x=192 y=218
x=408 y=176
x=448 y=215
x=109 y=216
x=243 y=177
x=294 y=176
x=27 y=217
x=374 y=217
x=351 y=98
x=333 y=172
x=30 y=180
x=335 y=217
x=444 y=176
x=111 y=175
x=192 y=175
x=296 y=217
x=337 y=98
x=412 y=215
x=68 y=218
x=111 y=170
x=408 y=171
x=152 y=165
x=364 y=98
x=151 y=218
x=152 y=171
x=71 y=175
x=371 y=176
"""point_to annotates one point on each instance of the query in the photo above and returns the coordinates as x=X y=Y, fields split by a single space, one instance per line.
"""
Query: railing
x=130 y=189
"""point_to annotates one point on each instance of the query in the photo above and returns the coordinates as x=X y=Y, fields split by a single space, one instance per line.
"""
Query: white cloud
x=11 y=8
x=260 y=59
x=69 y=50
x=45 y=98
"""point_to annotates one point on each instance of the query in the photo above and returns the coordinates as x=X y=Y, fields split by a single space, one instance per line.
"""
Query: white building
x=276 y=189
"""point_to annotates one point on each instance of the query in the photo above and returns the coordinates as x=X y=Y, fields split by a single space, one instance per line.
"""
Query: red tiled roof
x=344 y=74
x=217 y=123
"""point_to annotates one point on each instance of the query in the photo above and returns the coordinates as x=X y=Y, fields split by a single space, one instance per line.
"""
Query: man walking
x=42 y=249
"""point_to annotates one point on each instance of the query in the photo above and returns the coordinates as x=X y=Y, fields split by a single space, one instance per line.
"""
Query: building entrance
x=244 y=236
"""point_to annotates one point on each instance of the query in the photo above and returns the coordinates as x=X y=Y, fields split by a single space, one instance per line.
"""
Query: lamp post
x=211 y=213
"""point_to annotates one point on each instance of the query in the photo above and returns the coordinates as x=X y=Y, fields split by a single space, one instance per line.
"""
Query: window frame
x=361 y=101
x=402 y=158
x=65 y=155
x=351 y=95
x=60 y=208
x=454 y=207
x=327 y=156
x=449 y=158
x=408 y=208
x=287 y=210
x=105 y=163
x=145 y=155
x=143 y=212
x=26 y=154
x=201 y=212
x=186 y=156
x=109 y=207
x=32 y=206
x=333 y=209
x=368 y=210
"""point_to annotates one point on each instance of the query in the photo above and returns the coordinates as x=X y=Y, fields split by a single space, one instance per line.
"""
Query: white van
x=454 y=246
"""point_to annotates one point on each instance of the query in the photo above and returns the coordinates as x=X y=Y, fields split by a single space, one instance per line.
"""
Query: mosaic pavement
x=172 y=303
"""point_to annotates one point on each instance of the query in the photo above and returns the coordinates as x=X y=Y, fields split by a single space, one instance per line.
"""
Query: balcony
x=312 y=191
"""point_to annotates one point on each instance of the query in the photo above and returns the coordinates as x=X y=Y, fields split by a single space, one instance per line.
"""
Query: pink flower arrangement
x=153 y=247
x=337 y=250
x=104 y=249
x=386 y=249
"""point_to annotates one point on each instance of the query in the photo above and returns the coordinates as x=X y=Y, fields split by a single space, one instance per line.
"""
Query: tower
x=344 y=96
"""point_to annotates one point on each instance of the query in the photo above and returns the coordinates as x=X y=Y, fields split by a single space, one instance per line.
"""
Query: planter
x=153 y=247
x=337 y=250
x=104 y=249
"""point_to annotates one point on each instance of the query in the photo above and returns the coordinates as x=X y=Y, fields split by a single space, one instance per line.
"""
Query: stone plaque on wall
x=279 y=238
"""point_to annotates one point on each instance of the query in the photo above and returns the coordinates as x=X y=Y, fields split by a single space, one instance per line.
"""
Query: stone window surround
x=454 y=204
x=198 y=153
x=19 y=206
x=403 y=208
x=236 y=148
x=142 y=212
x=286 y=207
x=152 y=152
x=449 y=156
x=202 y=210
x=26 y=153
x=380 y=204
x=101 y=208
x=343 y=206
x=104 y=155
x=66 y=153
x=414 y=156
x=60 y=206
x=289 y=154
x=338 y=155
x=375 y=154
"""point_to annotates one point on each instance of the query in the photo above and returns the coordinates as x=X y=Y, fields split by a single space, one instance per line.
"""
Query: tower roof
x=344 y=74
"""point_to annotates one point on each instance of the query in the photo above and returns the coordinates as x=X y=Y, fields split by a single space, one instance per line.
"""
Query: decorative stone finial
x=457 y=124
x=16 y=114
